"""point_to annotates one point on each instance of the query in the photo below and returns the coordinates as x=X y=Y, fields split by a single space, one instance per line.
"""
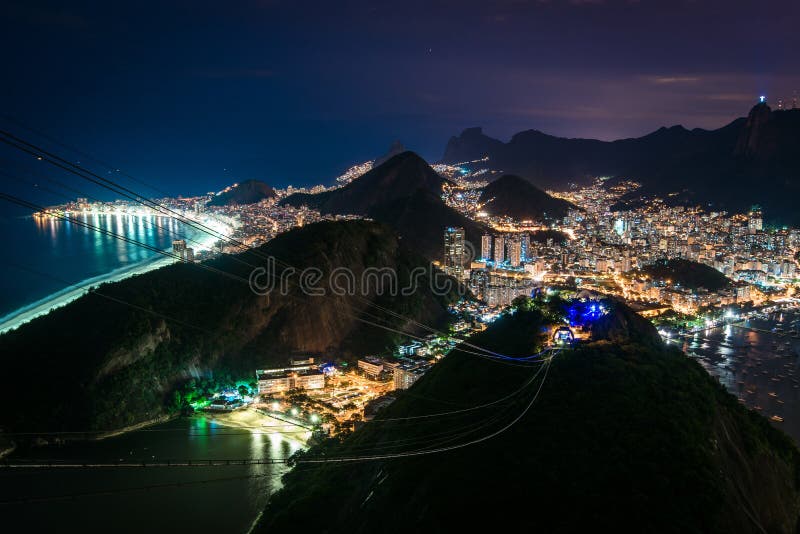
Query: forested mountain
x=624 y=435
x=516 y=197
x=99 y=364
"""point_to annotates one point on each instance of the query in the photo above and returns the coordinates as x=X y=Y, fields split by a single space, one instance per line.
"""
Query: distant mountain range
x=752 y=160
x=516 y=197
x=247 y=192
x=405 y=193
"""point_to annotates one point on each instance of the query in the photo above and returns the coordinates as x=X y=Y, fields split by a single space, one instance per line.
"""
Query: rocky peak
x=755 y=138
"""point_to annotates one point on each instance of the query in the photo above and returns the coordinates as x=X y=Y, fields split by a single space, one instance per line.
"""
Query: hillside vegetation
x=98 y=364
x=517 y=198
x=688 y=274
x=625 y=436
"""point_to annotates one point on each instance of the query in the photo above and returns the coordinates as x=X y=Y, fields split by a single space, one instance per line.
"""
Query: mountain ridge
x=716 y=168
x=404 y=193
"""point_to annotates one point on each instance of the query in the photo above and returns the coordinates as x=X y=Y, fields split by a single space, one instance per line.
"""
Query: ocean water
x=758 y=362
x=44 y=258
x=149 y=499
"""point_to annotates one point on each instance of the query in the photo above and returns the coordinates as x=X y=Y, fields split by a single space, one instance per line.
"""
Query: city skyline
x=409 y=266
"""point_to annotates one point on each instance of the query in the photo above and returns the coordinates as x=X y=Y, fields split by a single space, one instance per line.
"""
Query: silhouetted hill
x=395 y=149
x=516 y=197
x=470 y=145
x=623 y=437
x=398 y=177
x=421 y=219
x=98 y=364
x=749 y=161
x=247 y=192
x=405 y=193
x=623 y=326
x=688 y=274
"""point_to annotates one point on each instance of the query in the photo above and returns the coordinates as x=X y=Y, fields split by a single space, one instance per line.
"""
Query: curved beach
x=71 y=292
x=61 y=298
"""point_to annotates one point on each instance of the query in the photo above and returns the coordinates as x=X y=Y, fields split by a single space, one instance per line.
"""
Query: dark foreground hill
x=749 y=161
x=404 y=193
x=517 y=198
x=98 y=364
x=625 y=436
x=247 y=192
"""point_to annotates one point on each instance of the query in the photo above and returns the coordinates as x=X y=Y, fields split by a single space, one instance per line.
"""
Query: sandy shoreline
x=61 y=298
x=72 y=292
x=136 y=426
x=249 y=419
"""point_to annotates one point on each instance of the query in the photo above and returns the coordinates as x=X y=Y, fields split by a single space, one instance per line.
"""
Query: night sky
x=195 y=95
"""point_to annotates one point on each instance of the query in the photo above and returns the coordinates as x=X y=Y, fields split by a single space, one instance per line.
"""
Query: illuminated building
x=371 y=366
x=755 y=221
x=281 y=379
x=406 y=374
x=454 y=251
x=486 y=247
x=500 y=287
x=514 y=251
x=499 y=249
x=525 y=246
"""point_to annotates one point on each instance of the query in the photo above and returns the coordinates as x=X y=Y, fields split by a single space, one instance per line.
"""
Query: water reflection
x=760 y=367
x=232 y=496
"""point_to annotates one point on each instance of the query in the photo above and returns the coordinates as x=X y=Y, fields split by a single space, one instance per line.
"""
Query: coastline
x=7 y=449
x=250 y=419
x=73 y=292
x=136 y=426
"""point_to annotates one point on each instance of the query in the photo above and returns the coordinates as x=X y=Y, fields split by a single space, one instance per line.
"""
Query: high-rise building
x=407 y=373
x=514 y=251
x=478 y=280
x=525 y=246
x=486 y=247
x=499 y=249
x=454 y=251
x=755 y=220
x=179 y=247
x=503 y=287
